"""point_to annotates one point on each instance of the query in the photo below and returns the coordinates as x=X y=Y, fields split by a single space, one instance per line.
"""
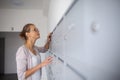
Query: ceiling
x=26 y=4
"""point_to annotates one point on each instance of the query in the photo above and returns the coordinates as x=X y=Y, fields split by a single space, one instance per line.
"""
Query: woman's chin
x=38 y=37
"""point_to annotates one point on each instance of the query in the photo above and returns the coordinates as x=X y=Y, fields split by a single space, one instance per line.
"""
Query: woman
x=28 y=58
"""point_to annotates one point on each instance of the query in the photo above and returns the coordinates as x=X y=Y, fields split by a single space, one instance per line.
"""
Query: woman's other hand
x=47 y=61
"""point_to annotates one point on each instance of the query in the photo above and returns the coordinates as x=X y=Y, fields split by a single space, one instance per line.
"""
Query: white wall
x=56 y=11
x=105 y=41
x=95 y=54
x=17 y=18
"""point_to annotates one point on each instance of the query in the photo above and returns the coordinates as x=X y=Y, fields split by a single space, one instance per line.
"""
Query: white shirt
x=35 y=61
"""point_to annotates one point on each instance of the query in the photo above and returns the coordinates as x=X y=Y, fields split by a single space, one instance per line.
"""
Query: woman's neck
x=30 y=44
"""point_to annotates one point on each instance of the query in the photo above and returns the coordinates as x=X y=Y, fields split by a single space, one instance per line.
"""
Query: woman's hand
x=49 y=37
x=34 y=69
x=47 y=61
x=48 y=41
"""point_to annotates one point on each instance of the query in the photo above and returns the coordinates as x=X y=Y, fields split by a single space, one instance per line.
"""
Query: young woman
x=27 y=57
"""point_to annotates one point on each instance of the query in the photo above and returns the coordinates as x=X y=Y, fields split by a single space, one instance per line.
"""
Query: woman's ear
x=26 y=34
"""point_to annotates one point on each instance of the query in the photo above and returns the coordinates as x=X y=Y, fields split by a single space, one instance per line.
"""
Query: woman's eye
x=36 y=30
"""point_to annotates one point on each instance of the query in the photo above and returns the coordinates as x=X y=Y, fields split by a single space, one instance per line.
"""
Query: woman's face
x=33 y=33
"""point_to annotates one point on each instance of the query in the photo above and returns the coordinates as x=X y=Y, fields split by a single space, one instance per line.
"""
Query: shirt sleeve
x=41 y=49
x=21 y=61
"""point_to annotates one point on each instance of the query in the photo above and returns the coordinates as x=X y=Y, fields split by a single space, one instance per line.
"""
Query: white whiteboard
x=80 y=50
